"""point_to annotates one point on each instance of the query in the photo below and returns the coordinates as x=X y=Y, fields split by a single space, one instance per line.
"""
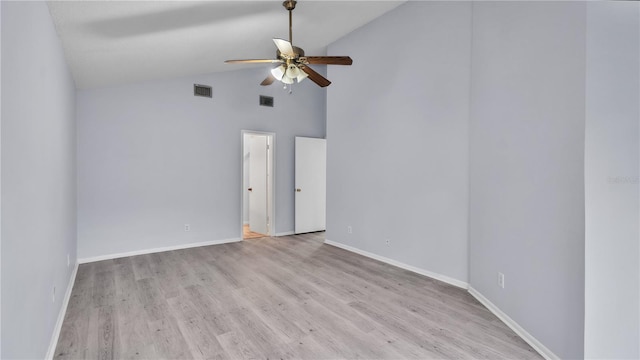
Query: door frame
x=271 y=184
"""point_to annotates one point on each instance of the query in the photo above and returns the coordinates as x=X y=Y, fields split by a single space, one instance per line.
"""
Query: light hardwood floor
x=274 y=298
x=248 y=234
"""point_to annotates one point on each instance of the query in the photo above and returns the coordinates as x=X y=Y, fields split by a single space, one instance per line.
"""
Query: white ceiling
x=115 y=42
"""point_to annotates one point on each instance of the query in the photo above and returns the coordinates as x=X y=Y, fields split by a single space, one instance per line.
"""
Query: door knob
x=298 y=190
x=250 y=189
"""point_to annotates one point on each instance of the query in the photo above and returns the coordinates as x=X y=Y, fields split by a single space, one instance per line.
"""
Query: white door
x=258 y=205
x=311 y=184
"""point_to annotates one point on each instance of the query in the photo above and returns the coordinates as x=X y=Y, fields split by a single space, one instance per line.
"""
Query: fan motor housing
x=298 y=51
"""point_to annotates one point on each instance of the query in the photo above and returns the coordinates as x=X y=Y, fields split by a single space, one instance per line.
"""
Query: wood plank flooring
x=274 y=298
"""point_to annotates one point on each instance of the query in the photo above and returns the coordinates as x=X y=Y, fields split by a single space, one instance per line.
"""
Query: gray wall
x=152 y=157
x=526 y=212
x=612 y=270
x=0 y=181
x=38 y=178
x=506 y=104
x=397 y=137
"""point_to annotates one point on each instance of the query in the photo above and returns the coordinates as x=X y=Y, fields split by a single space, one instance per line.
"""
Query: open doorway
x=258 y=210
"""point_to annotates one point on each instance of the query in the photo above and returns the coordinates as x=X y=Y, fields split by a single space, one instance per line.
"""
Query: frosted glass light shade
x=292 y=71
x=287 y=80
x=302 y=75
x=278 y=72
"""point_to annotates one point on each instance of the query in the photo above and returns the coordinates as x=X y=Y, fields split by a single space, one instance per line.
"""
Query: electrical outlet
x=68 y=260
x=187 y=227
x=387 y=241
x=53 y=295
x=501 y=280
x=349 y=229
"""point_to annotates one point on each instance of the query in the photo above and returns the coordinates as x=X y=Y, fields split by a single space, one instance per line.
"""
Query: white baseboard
x=535 y=344
x=443 y=278
x=286 y=233
x=61 y=314
x=156 y=250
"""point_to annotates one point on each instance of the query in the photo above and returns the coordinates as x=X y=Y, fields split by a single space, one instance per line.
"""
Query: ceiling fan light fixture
x=293 y=61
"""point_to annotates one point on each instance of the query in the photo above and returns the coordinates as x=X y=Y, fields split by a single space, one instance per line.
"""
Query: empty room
x=319 y=179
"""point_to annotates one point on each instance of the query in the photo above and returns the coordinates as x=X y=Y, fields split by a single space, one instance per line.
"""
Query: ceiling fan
x=293 y=64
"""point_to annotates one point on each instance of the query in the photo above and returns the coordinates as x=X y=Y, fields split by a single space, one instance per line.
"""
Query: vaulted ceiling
x=114 y=42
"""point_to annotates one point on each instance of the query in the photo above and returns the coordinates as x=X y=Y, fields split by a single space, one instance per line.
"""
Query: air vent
x=266 y=101
x=202 y=90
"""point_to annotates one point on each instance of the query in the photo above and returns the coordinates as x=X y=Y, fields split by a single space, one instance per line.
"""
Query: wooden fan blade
x=253 y=61
x=329 y=60
x=285 y=47
x=315 y=77
x=268 y=81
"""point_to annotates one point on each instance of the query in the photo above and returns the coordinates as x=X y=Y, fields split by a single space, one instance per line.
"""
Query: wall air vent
x=202 y=90
x=266 y=101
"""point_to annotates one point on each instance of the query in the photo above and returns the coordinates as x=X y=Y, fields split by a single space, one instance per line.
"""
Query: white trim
x=286 y=233
x=443 y=278
x=156 y=250
x=61 y=314
x=535 y=344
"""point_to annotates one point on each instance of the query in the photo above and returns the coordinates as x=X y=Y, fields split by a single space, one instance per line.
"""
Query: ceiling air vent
x=266 y=101
x=202 y=90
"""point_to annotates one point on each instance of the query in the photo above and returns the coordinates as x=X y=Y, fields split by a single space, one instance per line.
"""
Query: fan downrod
x=290 y=5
